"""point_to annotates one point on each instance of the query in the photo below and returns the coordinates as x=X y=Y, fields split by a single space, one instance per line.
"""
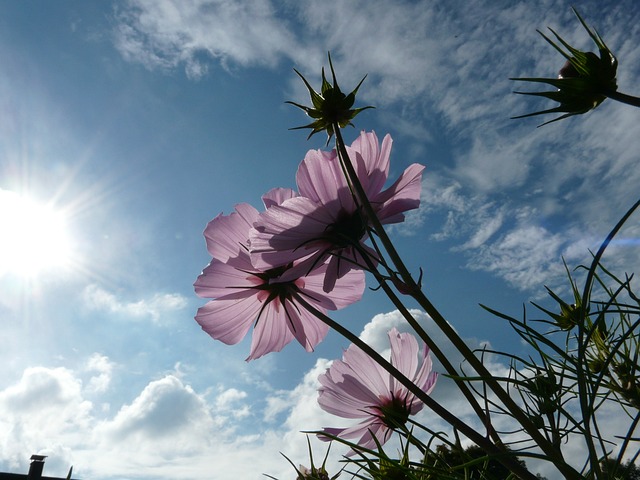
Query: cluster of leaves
x=587 y=359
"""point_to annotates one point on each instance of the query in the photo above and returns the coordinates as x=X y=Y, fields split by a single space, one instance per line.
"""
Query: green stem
x=480 y=440
x=553 y=454
x=623 y=97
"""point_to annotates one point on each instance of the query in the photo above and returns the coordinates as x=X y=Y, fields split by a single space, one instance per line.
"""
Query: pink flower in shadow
x=357 y=387
x=324 y=221
x=244 y=295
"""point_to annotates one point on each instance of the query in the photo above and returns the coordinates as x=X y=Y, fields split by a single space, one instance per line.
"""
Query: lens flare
x=33 y=237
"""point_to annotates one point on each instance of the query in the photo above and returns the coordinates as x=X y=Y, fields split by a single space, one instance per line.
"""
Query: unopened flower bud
x=568 y=71
x=312 y=473
x=330 y=106
x=584 y=80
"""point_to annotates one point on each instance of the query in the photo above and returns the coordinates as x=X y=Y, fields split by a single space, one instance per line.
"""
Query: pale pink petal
x=270 y=333
x=334 y=401
x=365 y=431
x=367 y=370
x=282 y=233
x=400 y=197
x=219 y=279
x=404 y=352
x=276 y=196
x=348 y=289
x=344 y=394
x=333 y=271
x=358 y=387
x=375 y=160
x=228 y=320
x=226 y=235
x=352 y=385
x=306 y=328
x=320 y=179
x=425 y=378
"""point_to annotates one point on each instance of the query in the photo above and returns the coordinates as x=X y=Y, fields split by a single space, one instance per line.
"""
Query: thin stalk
x=480 y=440
x=623 y=97
x=553 y=454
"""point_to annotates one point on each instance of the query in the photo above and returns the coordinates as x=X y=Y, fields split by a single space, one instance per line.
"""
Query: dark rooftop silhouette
x=36 y=469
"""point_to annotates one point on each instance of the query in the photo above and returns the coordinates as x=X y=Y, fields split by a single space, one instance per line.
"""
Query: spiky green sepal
x=330 y=105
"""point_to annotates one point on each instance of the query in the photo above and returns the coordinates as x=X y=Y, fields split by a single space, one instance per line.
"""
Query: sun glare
x=33 y=237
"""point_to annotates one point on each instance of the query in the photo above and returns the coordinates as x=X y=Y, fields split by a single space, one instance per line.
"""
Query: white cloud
x=524 y=256
x=169 y=430
x=230 y=403
x=39 y=413
x=102 y=368
x=167 y=414
x=155 y=308
x=169 y=33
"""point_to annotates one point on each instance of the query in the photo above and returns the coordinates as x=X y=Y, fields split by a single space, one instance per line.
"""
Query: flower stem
x=623 y=97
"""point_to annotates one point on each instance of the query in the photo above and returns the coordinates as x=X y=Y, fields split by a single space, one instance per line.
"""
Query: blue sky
x=140 y=121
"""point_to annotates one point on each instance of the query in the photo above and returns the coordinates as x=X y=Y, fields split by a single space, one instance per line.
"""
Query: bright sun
x=33 y=237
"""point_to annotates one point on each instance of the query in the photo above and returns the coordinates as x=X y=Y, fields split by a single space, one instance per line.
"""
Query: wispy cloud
x=170 y=34
x=156 y=308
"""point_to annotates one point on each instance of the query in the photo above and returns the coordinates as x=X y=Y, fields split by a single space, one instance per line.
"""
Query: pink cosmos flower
x=267 y=298
x=324 y=220
x=357 y=387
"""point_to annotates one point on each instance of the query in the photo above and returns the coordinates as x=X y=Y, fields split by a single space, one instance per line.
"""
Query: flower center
x=395 y=412
x=281 y=290
x=348 y=230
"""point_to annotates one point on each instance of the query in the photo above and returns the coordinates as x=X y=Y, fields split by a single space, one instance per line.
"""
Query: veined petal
x=347 y=290
x=319 y=176
x=270 y=333
x=306 y=328
x=219 y=279
x=375 y=159
x=225 y=235
x=400 y=197
x=404 y=356
x=425 y=378
x=228 y=320
x=282 y=233
x=343 y=394
x=276 y=196
x=358 y=387
x=404 y=352
x=365 y=430
x=367 y=370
